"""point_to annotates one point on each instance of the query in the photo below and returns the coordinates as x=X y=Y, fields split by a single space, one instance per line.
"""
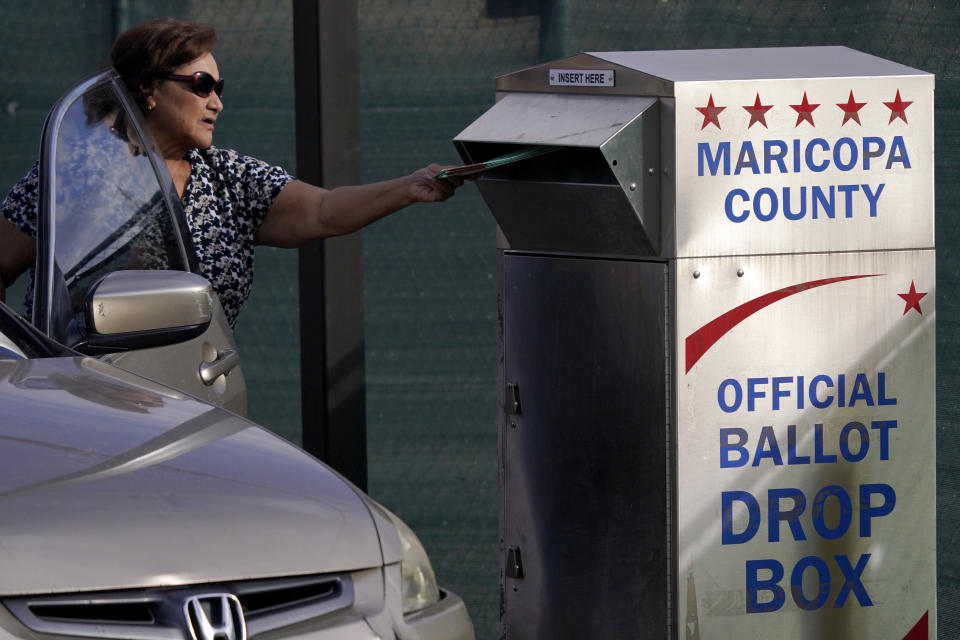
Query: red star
x=804 y=111
x=758 y=112
x=912 y=298
x=710 y=113
x=850 y=109
x=898 y=108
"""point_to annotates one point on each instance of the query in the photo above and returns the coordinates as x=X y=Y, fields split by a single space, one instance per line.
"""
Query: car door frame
x=215 y=347
x=46 y=228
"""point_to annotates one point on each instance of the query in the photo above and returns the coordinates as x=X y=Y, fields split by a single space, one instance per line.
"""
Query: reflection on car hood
x=108 y=481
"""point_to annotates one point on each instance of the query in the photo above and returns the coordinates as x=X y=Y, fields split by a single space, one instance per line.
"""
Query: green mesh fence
x=426 y=71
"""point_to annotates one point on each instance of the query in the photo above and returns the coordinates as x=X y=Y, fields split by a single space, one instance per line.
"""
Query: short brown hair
x=154 y=49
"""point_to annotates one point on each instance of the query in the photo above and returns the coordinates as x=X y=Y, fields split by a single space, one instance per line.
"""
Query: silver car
x=142 y=508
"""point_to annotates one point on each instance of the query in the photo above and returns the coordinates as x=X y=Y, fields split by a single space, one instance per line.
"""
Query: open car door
x=116 y=269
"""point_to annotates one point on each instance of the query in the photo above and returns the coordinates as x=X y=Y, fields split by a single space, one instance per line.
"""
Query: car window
x=108 y=208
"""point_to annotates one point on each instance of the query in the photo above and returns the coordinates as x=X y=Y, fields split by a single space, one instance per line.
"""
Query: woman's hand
x=425 y=187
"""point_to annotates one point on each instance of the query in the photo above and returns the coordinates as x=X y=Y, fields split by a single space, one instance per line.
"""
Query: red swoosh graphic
x=921 y=630
x=700 y=341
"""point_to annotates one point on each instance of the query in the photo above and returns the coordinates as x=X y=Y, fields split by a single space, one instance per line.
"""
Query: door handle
x=226 y=360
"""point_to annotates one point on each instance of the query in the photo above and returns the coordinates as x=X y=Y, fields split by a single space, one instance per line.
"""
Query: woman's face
x=183 y=120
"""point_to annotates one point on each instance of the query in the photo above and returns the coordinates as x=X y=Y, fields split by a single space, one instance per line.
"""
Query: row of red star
x=758 y=111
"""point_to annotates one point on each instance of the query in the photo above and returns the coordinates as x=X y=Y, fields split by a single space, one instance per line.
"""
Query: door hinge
x=514 y=567
x=513 y=398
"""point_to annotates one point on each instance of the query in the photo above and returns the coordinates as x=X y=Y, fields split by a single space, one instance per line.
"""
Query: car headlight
x=419 y=582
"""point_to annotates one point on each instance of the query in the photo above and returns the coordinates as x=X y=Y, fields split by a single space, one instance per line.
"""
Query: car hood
x=108 y=481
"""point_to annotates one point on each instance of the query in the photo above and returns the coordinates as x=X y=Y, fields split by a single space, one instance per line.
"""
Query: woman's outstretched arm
x=303 y=212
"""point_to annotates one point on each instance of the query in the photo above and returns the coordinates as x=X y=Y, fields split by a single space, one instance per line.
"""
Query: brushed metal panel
x=832 y=323
x=598 y=193
x=766 y=63
x=633 y=154
x=584 y=463
x=550 y=216
x=550 y=119
x=631 y=82
x=841 y=185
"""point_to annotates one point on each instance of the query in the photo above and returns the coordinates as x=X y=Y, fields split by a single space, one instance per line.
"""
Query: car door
x=108 y=209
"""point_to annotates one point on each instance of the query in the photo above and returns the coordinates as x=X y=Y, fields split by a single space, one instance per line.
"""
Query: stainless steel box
x=717 y=343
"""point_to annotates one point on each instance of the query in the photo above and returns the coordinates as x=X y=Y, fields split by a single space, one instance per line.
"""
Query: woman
x=231 y=201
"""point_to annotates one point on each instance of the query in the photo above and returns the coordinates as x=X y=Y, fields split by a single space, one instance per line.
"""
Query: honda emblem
x=216 y=616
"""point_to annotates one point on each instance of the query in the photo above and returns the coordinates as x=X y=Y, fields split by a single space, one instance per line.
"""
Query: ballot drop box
x=717 y=360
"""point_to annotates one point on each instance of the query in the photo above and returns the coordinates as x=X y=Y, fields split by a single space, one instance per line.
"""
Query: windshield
x=19 y=339
x=9 y=350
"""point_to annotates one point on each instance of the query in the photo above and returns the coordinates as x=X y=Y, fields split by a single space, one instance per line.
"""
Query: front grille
x=96 y=612
x=271 y=604
x=158 y=614
x=272 y=597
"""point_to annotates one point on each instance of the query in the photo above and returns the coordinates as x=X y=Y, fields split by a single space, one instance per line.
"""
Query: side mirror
x=138 y=309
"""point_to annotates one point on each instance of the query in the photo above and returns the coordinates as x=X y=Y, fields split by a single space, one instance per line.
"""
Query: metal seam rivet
x=739 y=273
x=696 y=274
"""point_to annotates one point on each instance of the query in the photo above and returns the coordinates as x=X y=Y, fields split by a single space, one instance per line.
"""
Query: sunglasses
x=201 y=82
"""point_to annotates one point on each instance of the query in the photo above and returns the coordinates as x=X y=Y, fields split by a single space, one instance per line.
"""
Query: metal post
x=331 y=271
